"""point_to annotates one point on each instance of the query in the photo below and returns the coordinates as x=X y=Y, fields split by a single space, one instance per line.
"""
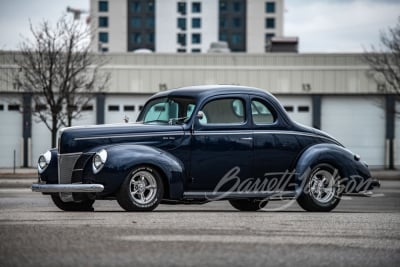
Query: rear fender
x=353 y=173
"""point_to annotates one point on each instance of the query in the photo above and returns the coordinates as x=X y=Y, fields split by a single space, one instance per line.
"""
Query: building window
x=288 y=108
x=150 y=37
x=181 y=50
x=269 y=36
x=129 y=108
x=222 y=22
x=182 y=23
x=196 y=38
x=237 y=22
x=40 y=107
x=181 y=39
x=196 y=7
x=223 y=6
x=222 y=37
x=1 y=107
x=270 y=7
x=237 y=6
x=87 y=108
x=270 y=23
x=150 y=6
x=136 y=38
x=103 y=22
x=303 y=108
x=136 y=22
x=181 y=7
x=113 y=108
x=14 y=107
x=103 y=37
x=150 y=22
x=103 y=6
x=236 y=39
x=104 y=49
x=196 y=50
x=196 y=23
x=136 y=7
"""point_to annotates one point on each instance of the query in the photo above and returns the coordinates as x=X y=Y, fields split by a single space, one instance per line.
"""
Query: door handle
x=246 y=138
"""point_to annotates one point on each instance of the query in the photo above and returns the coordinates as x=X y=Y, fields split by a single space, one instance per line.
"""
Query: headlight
x=44 y=161
x=99 y=160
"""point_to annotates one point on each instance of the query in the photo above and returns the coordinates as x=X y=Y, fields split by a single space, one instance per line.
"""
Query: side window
x=261 y=113
x=224 y=111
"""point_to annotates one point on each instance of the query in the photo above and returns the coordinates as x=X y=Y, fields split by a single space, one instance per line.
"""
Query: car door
x=275 y=147
x=222 y=145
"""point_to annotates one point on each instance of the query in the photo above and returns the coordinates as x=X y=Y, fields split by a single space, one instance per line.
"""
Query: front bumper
x=67 y=188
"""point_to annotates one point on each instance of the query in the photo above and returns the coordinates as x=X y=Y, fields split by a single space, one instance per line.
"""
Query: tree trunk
x=54 y=132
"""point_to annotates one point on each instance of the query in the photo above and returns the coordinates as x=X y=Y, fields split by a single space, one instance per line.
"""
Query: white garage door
x=117 y=107
x=41 y=135
x=10 y=133
x=358 y=123
x=299 y=108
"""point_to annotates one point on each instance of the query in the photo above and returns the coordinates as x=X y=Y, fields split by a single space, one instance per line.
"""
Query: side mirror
x=200 y=115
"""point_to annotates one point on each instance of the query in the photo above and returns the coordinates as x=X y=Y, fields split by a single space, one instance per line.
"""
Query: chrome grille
x=66 y=163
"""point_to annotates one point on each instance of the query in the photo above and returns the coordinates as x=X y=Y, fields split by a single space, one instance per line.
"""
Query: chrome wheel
x=322 y=192
x=323 y=186
x=143 y=187
x=142 y=190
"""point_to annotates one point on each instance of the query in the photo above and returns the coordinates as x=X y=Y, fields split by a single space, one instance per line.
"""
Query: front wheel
x=85 y=204
x=142 y=190
x=248 y=204
x=322 y=191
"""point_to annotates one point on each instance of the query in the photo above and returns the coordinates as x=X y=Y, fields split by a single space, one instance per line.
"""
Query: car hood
x=84 y=138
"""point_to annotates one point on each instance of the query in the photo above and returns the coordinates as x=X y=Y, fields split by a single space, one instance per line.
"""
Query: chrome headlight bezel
x=44 y=161
x=99 y=159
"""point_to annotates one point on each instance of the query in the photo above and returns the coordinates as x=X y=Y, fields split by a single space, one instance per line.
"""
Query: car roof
x=202 y=91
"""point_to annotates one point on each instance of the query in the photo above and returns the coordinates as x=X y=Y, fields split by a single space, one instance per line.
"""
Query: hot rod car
x=199 y=144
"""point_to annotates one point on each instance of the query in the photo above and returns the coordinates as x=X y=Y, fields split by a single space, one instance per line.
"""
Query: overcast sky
x=321 y=25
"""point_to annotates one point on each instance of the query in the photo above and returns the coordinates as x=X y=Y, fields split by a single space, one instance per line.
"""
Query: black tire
x=140 y=184
x=248 y=204
x=85 y=204
x=324 y=197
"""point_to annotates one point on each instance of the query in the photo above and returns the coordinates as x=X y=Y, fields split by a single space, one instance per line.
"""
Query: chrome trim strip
x=67 y=188
x=275 y=194
x=131 y=135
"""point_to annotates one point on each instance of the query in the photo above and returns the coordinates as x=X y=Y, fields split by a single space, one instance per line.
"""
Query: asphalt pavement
x=359 y=232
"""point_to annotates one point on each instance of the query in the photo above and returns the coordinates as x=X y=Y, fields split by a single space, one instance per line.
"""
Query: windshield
x=175 y=110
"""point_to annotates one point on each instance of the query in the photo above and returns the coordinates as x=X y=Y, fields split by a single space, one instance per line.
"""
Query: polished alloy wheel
x=322 y=186
x=143 y=187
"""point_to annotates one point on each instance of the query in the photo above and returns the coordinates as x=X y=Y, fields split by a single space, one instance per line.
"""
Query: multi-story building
x=185 y=26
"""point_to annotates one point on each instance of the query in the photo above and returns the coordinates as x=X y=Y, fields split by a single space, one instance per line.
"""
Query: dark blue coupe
x=199 y=144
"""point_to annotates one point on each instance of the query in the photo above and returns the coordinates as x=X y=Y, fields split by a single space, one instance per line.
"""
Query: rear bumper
x=67 y=188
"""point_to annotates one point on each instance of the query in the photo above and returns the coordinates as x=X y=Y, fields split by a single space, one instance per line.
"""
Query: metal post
x=15 y=155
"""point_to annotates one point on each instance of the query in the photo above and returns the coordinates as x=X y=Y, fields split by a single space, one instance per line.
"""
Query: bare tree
x=57 y=68
x=384 y=61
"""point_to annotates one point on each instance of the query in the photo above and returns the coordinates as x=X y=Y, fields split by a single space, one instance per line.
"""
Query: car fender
x=348 y=165
x=123 y=158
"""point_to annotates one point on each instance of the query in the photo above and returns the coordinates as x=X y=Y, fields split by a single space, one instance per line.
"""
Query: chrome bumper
x=67 y=188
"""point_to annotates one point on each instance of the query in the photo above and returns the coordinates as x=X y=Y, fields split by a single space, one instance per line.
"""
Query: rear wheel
x=248 y=204
x=142 y=190
x=322 y=192
x=85 y=204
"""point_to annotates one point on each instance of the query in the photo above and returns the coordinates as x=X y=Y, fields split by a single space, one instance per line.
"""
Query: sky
x=328 y=26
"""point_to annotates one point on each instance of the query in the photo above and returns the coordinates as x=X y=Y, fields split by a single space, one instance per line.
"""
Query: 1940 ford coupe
x=199 y=144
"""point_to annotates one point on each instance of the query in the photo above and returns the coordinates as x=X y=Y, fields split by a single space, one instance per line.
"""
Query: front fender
x=350 y=169
x=121 y=159
x=50 y=174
